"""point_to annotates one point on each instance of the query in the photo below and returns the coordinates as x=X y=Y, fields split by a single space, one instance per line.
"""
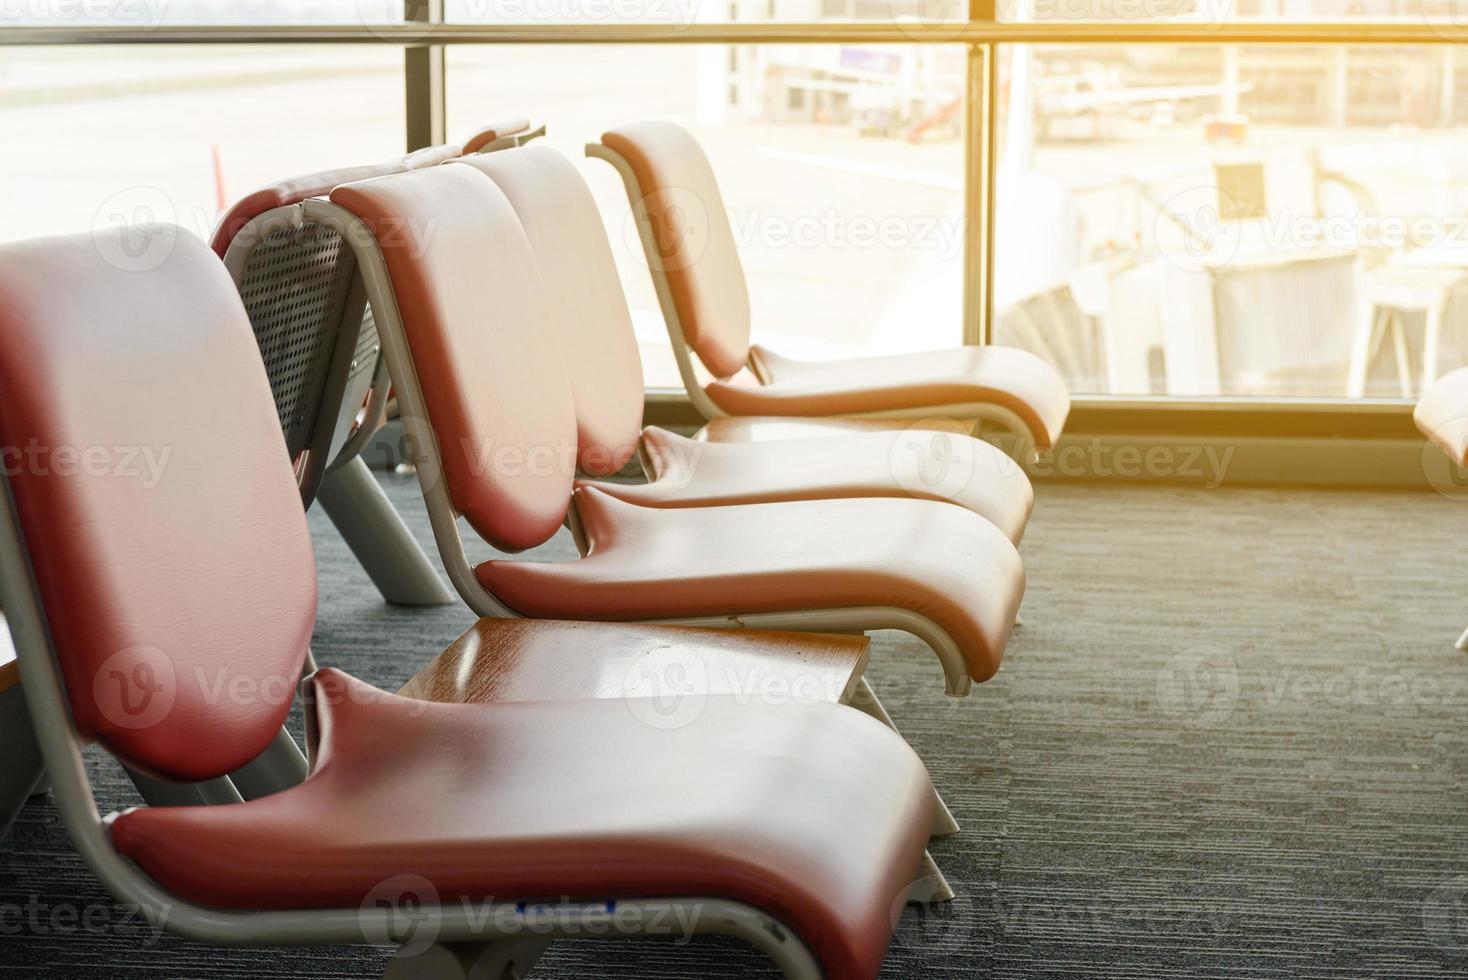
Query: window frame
x=424 y=37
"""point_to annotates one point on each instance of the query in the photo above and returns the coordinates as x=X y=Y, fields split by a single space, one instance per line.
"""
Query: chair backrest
x=495 y=132
x=588 y=307
x=480 y=335
x=696 y=249
x=430 y=156
x=154 y=495
x=298 y=283
x=293 y=190
x=300 y=287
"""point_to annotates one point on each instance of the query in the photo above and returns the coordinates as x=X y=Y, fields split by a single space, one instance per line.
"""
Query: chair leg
x=865 y=700
x=1402 y=354
x=503 y=960
x=281 y=766
x=161 y=792
x=1462 y=643
x=1363 y=346
x=374 y=531
x=929 y=887
x=21 y=770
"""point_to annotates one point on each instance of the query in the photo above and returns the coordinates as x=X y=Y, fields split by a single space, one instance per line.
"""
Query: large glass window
x=1234 y=220
x=1227 y=11
x=1184 y=220
x=177 y=133
x=153 y=13
x=699 y=11
x=841 y=168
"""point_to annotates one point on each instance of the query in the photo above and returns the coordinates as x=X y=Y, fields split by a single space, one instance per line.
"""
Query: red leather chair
x=593 y=322
x=471 y=346
x=319 y=342
x=695 y=266
x=794 y=827
x=20 y=762
x=307 y=308
x=315 y=332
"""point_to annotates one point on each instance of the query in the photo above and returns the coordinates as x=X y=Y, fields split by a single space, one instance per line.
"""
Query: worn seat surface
x=483 y=354
x=942 y=562
x=915 y=463
x=600 y=353
x=813 y=813
x=697 y=259
x=1009 y=377
x=200 y=596
x=506 y=659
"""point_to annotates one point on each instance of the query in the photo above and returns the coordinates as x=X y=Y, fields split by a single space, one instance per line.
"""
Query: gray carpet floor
x=1229 y=740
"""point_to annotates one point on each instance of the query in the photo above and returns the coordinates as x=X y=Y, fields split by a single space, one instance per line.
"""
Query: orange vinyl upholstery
x=155 y=497
x=600 y=351
x=291 y=191
x=760 y=428
x=294 y=190
x=1007 y=376
x=698 y=256
x=943 y=562
x=181 y=600
x=483 y=342
x=482 y=345
x=595 y=327
x=499 y=130
x=814 y=813
x=696 y=246
x=898 y=463
x=430 y=156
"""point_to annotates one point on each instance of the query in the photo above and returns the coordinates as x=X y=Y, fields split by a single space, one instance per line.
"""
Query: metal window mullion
x=980 y=100
x=991 y=181
x=425 y=80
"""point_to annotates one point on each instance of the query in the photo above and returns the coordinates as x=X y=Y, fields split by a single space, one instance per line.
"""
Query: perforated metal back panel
x=365 y=359
x=294 y=287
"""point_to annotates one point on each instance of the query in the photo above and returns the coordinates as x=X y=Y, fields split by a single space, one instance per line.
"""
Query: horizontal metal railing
x=1390 y=32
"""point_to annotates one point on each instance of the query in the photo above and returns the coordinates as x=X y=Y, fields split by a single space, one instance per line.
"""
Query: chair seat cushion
x=1442 y=414
x=816 y=814
x=1005 y=376
x=898 y=463
x=774 y=428
x=645 y=563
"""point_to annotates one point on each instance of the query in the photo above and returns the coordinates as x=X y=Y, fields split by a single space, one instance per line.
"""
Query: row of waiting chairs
x=484 y=275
